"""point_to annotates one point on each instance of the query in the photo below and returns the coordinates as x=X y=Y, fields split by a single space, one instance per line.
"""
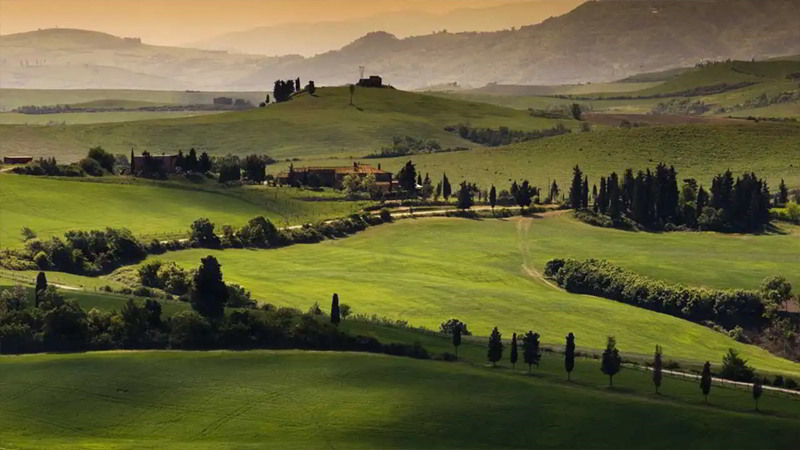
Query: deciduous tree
x=209 y=294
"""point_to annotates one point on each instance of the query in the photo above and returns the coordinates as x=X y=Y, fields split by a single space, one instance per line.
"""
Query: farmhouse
x=163 y=163
x=17 y=159
x=333 y=176
x=373 y=81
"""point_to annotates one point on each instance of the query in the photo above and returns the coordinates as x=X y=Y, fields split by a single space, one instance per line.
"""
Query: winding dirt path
x=523 y=227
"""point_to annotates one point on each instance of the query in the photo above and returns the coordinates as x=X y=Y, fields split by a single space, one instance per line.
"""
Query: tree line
x=653 y=200
x=503 y=136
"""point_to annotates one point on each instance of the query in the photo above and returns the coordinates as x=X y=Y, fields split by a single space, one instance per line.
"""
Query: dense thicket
x=502 y=136
x=728 y=308
x=652 y=199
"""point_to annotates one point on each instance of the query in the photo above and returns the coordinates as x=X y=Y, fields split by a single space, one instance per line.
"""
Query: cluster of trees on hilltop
x=97 y=163
x=652 y=199
x=284 y=89
x=502 y=136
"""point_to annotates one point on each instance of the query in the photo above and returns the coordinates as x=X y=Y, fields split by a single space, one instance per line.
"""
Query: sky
x=176 y=22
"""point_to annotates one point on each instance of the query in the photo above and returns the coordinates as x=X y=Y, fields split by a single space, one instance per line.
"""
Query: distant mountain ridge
x=309 y=39
x=597 y=41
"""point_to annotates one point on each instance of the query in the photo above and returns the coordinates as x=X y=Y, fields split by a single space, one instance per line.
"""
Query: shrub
x=736 y=368
x=92 y=167
x=41 y=260
x=386 y=216
x=27 y=234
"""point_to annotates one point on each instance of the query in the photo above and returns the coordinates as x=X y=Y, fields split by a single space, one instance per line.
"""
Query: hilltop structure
x=333 y=176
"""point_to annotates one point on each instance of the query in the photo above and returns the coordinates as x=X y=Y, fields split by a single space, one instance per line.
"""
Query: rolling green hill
x=486 y=273
x=295 y=399
x=324 y=124
x=52 y=206
x=698 y=151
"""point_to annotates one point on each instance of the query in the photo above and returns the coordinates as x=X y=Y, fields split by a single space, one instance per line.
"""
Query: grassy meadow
x=323 y=124
x=295 y=399
x=485 y=272
x=697 y=151
x=52 y=206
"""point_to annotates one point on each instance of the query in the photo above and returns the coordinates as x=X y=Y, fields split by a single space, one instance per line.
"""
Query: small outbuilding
x=17 y=159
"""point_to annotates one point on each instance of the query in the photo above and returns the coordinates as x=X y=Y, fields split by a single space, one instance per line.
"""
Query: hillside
x=486 y=273
x=323 y=124
x=699 y=151
x=148 y=208
x=75 y=59
x=597 y=41
x=315 y=399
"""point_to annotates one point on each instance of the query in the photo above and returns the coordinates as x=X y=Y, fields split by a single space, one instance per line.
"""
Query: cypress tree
x=493 y=197
x=446 y=188
x=495 y=347
x=705 y=380
x=783 y=193
x=757 y=391
x=530 y=349
x=657 y=368
x=602 y=196
x=335 y=316
x=209 y=293
x=133 y=171
x=576 y=189
x=569 y=355
x=514 y=355
x=611 y=362
x=585 y=193
x=41 y=285
x=456 y=338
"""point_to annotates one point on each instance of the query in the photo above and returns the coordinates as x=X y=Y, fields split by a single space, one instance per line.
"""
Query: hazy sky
x=173 y=22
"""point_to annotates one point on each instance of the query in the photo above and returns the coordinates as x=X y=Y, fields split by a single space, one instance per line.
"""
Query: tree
x=705 y=380
x=576 y=189
x=352 y=91
x=495 y=347
x=202 y=233
x=777 y=291
x=449 y=326
x=585 y=193
x=456 y=338
x=105 y=159
x=575 y=110
x=465 y=200
x=530 y=349
x=757 y=391
x=657 y=368
x=569 y=355
x=427 y=187
x=446 y=188
x=554 y=191
x=311 y=88
x=493 y=197
x=190 y=163
x=407 y=178
x=523 y=194
x=335 y=317
x=209 y=293
x=514 y=355
x=611 y=362
x=255 y=168
x=344 y=310
x=204 y=163
x=438 y=192
x=783 y=193
x=41 y=286
x=297 y=84
x=735 y=368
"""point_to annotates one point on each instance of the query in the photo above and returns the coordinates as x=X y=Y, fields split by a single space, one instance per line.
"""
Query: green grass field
x=52 y=206
x=297 y=399
x=62 y=119
x=483 y=272
x=321 y=125
x=697 y=151
x=14 y=98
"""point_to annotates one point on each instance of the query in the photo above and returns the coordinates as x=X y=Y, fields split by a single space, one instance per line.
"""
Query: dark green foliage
x=465 y=193
x=283 y=90
x=569 y=355
x=335 y=317
x=407 y=178
x=449 y=326
x=91 y=167
x=202 y=234
x=783 y=193
x=576 y=189
x=87 y=252
x=705 y=380
x=204 y=163
x=585 y=193
x=658 y=366
x=239 y=297
x=408 y=145
x=611 y=362
x=447 y=190
x=104 y=159
x=757 y=391
x=209 y=295
x=503 y=136
x=791 y=384
x=191 y=162
x=601 y=278
x=255 y=168
x=311 y=88
x=495 y=352
x=735 y=368
x=575 y=110
x=493 y=197
x=456 y=338
x=230 y=170
x=259 y=232
x=514 y=355
x=523 y=194
x=41 y=285
x=531 y=353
